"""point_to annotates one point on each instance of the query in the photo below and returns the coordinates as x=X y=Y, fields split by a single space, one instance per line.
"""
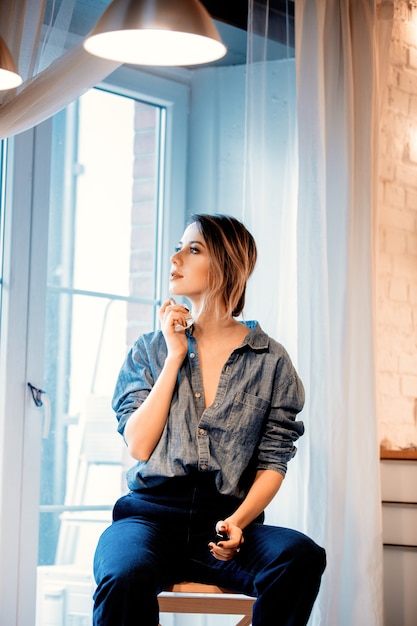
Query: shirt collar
x=257 y=339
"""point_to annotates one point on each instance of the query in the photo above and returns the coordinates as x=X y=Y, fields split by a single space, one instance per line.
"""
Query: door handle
x=41 y=399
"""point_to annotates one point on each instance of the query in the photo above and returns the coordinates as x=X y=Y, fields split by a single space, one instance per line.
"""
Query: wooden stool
x=205 y=599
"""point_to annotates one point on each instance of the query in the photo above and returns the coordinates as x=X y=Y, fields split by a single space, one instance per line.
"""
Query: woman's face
x=190 y=265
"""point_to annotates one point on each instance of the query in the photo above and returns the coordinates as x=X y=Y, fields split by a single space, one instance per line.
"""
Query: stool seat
x=189 y=597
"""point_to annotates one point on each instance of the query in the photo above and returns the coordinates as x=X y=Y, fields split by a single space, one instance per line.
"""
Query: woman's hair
x=233 y=256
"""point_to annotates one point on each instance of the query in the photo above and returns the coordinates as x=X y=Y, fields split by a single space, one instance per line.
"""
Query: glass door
x=103 y=288
x=92 y=201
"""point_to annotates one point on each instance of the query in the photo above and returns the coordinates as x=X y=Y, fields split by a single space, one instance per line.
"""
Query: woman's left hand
x=228 y=548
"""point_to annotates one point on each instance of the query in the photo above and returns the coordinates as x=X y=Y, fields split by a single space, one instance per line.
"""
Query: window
x=89 y=241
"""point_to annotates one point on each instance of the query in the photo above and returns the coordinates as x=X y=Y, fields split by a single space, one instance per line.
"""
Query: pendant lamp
x=9 y=78
x=156 y=32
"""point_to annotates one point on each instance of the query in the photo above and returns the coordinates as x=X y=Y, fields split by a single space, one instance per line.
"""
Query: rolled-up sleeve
x=135 y=380
x=282 y=429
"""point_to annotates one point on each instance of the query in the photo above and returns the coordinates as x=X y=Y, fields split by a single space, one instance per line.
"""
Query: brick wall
x=397 y=235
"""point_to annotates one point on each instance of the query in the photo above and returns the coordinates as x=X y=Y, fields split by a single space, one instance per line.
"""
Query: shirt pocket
x=242 y=421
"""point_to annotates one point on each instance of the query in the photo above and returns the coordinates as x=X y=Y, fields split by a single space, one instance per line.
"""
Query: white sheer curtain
x=318 y=296
x=271 y=172
x=53 y=75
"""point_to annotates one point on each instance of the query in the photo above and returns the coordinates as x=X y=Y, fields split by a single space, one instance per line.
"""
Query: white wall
x=217 y=121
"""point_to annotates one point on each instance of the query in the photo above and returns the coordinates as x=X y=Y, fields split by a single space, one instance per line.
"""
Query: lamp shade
x=9 y=78
x=156 y=32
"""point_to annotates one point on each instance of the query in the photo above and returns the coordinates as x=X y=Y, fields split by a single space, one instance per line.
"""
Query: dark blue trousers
x=159 y=537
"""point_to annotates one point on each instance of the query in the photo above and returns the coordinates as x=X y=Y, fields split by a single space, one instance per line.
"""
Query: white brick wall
x=397 y=236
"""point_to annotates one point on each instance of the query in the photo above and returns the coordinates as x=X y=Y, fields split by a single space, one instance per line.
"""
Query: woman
x=209 y=412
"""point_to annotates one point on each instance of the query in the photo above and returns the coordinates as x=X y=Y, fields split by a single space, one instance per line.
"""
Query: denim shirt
x=250 y=426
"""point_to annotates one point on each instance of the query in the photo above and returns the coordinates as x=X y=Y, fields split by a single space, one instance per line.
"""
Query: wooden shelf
x=407 y=454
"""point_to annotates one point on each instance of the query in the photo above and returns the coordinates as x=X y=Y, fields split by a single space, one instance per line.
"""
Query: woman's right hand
x=171 y=315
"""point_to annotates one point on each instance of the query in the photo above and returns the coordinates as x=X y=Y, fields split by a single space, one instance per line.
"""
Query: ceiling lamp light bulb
x=156 y=32
x=9 y=78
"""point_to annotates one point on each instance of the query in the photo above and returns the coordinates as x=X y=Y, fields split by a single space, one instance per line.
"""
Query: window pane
x=112 y=179
x=104 y=192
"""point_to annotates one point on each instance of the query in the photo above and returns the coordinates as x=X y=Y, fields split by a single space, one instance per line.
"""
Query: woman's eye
x=192 y=249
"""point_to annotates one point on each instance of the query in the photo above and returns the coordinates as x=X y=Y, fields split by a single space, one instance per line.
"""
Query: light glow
x=9 y=79
x=155 y=47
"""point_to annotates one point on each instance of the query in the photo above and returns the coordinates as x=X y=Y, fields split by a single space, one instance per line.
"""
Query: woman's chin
x=174 y=288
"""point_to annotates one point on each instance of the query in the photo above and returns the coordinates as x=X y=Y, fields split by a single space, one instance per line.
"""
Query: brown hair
x=233 y=256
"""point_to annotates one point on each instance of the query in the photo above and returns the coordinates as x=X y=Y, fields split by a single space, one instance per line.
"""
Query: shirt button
x=201 y=431
x=192 y=355
x=197 y=394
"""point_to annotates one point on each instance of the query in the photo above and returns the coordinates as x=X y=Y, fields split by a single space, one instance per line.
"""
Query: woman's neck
x=210 y=325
